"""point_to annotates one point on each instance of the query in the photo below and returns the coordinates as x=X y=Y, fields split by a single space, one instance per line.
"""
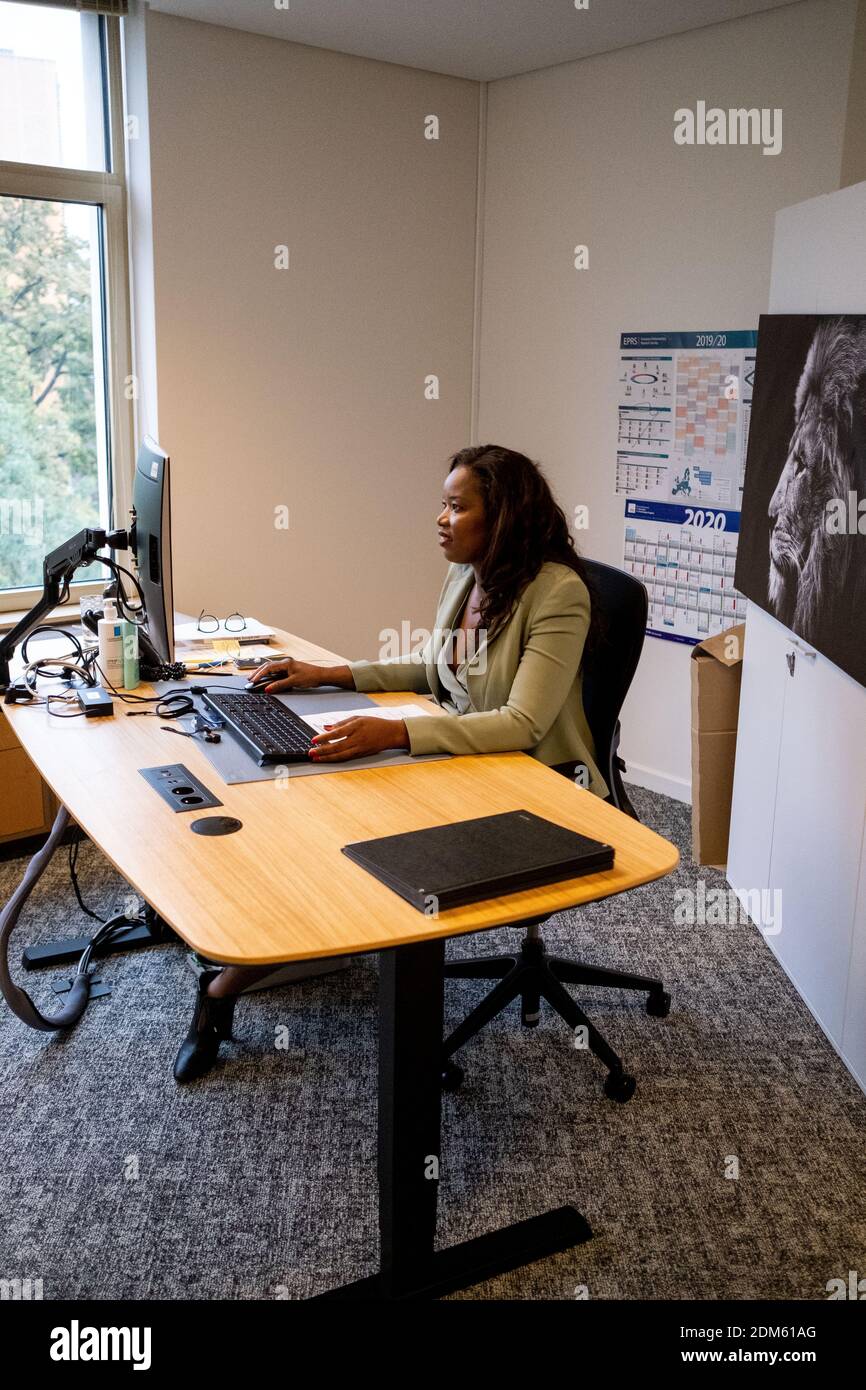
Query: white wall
x=305 y=387
x=854 y=149
x=679 y=238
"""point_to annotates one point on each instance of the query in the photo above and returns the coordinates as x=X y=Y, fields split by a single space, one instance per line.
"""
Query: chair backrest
x=608 y=672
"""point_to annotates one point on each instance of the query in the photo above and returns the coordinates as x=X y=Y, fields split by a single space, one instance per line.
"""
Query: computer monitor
x=150 y=534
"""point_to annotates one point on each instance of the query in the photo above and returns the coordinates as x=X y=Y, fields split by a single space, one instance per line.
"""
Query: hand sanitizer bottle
x=110 y=658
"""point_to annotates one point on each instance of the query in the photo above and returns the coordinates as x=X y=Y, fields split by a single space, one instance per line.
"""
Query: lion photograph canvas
x=802 y=549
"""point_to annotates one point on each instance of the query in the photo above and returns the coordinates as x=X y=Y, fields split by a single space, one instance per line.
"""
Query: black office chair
x=531 y=974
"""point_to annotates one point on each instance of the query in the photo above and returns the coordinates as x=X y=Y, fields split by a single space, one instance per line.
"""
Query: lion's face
x=798 y=503
x=810 y=562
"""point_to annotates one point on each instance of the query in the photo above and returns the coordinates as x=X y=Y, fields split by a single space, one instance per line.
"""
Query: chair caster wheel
x=619 y=1086
x=452 y=1076
x=659 y=1005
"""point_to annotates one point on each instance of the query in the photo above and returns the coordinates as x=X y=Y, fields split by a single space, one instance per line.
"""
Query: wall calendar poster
x=684 y=403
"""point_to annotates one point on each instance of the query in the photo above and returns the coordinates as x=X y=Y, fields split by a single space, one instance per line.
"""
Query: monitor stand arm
x=58 y=567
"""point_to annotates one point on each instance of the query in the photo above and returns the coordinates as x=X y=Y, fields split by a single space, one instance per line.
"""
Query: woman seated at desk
x=504 y=662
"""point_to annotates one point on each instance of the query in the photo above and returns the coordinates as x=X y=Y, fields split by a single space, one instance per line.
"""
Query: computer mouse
x=258 y=685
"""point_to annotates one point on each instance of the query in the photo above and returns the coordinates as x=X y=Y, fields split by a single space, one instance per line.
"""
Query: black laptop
x=467 y=861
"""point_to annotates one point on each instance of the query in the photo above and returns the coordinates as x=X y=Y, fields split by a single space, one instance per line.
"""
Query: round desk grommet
x=216 y=825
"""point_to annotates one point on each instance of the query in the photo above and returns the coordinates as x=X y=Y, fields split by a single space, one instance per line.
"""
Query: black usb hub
x=95 y=702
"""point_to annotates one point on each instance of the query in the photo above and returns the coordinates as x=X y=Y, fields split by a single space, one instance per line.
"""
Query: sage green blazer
x=524 y=685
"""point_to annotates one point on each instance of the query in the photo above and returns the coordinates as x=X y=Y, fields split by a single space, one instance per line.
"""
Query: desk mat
x=234 y=764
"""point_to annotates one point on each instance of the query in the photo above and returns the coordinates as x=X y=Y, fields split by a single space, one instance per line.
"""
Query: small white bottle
x=109 y=633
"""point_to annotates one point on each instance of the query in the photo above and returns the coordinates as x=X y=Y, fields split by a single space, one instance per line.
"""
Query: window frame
x=107 y=192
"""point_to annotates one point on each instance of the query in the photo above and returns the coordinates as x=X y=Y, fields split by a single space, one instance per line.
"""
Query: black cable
x=73 y=864
x=109 y=926
x=218 y=685
x=109 y=929
x=124 y=696
x=139 y=619
x=64 y=632
x=171 y=699
x=175 y=706
x=208 y=732
x=127 y=698
x=76 y=661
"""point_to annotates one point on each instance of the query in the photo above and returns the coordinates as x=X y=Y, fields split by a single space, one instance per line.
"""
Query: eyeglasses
x=235 y=622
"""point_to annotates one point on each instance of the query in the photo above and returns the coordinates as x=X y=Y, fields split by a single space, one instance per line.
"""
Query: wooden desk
x=281 y=890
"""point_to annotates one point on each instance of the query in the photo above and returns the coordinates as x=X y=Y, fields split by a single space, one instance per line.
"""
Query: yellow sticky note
x=226 y=645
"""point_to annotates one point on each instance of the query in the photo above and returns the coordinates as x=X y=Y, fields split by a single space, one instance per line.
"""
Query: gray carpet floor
x=259 y=1181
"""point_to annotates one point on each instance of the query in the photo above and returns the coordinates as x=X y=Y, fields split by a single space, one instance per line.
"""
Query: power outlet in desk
x=179 y=787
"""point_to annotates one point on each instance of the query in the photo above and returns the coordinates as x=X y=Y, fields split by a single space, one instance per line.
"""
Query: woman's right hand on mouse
x=289 y=674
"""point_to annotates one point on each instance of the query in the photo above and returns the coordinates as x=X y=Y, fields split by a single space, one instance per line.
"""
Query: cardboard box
x=717 y=668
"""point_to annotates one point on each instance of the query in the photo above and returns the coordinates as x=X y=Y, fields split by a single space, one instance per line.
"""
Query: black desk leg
x=410 y=1065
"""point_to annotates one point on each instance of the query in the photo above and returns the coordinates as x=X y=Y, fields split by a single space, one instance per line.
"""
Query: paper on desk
x=318 y=721
x=253 y=631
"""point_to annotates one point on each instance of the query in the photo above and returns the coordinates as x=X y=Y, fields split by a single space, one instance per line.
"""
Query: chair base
x=531 y=976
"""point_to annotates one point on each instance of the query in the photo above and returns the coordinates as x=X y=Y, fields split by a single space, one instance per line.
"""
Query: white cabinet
x=762 y=694
x=799 y=809
x=797 y=824
x=854 y=1027
x=818 y=832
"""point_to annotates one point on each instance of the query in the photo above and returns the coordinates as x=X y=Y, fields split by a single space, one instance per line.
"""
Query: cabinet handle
x=806 y=651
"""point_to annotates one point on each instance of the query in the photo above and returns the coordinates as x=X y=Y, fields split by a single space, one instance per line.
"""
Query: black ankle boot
x=211 y=1022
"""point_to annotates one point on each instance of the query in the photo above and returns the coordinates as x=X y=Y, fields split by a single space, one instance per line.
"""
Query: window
x=52 y=88
x=65 y=416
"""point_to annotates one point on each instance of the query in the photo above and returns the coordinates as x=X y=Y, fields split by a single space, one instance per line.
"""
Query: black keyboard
x=273 y=733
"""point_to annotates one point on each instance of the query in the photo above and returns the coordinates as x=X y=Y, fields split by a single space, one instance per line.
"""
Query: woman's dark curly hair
x=525 y=528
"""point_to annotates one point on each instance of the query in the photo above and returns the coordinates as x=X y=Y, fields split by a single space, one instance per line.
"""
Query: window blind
x=118 y=7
